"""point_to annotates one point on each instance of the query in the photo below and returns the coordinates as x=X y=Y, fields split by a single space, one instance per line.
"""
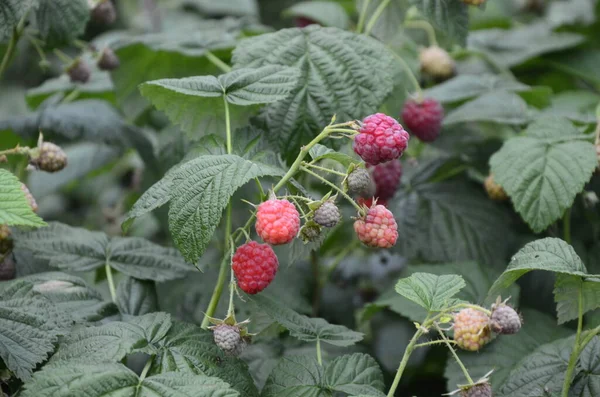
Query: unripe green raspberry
x=360 y=183
x=327 y=215
x=310 y=232
x=436 y=62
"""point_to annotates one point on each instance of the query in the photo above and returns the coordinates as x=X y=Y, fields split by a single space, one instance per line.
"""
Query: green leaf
x=567 y=292
x=200 y=192
x=189 y=349
x=464 y=87
x=224 y=7
x=522 y=43
x=303 y=376
x=578 y=106
x=544 y=170
x=320 y=152
x=117 y=380
x=541 y=372
x=579 y=63
x=81 y=250
x=505 y=352
x=497 y=106
x=449 y=16
x=11 y=12
x=588 y=382
x=326 y=13
x=61 y=21
x=28 y=329
x=14 y=206
x=306 y=328
x=432 y=292
x=388 y=28
x=136 y=297
x=189 y=100
x=359 y=73
x=550 y=254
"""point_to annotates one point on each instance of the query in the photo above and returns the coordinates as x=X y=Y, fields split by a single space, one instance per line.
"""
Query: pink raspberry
x=387 y=179
x=254 y=266
x=378 y=228
x=471 y=329
x=423 y=119
x=277 y=221
x=380 y=139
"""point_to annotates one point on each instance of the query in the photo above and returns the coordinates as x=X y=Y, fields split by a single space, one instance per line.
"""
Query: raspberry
x=310 y=232
x=29 y=197
x=478 y=390
x=277 y=221
x=387 y=179
x=436 y=62
x=473 y=2
x=228 y=338
x=505 y=320
x=471 y=329
x=254 y=266
x=378 y=228
x=79 y=71
x=5 y=240
x=423 y=119
x=359 y=183
x=108 y=60
x=50 y=158
x=380 y=139
x=494 y=191
x=7 y=267
x=368 y=202
x=104 y=13
x=302 y=22
x=327 y=215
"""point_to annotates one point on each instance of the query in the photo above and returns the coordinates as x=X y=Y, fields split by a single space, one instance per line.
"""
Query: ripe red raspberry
x=29 y=197
x=254 y=266
x=505 y=320
x=303 y=22
x=423 y=119
x=277 y=221
x=378 y=228
x=436 y=62
x=494 y=190
x=380 y=139
x=471 y=329
x=478 y=390
x=327 y=215
x=108 y=60
x=387 y=179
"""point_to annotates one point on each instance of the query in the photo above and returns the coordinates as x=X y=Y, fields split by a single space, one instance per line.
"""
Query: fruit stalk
x=12 y=44
x=378 y=11
x=576 y=348
x=340 y=191
x=363 y=16
x=456 y=358
x=409 y=349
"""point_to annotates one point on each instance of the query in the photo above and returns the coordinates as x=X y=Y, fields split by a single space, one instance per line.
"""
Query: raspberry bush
x=290 y=198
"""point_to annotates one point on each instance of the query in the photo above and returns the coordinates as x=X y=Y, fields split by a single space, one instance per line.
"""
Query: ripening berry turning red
x=254 y=266
x=423 y=119
x=471 y=329
x=380 y=139
x=277 y=221
x=378 y=228
x=436 y=62
x=494 y=190
x=387 y=179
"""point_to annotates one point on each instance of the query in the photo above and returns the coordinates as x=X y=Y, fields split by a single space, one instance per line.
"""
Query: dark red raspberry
x=424 y=119
x=108 y=60
x=303 y=22
x=471 y=329
x=254 y=266
x=368 y=202
x=277 y=221
x=378 y=228
x=79 y=71
x=387 y=179
x=380 y=139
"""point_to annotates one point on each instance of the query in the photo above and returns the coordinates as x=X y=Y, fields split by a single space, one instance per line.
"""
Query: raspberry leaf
x=326 y=13
x=566 y=294
x=464 y=87
x=14 y=207
x=356 y=374
x=359 y=73
x=321 y=152
x=505 y=352
x=116 y=379
x=189 y=349
x=225 y=7
x=449 y=16
x=61 y=21
x=498 y=106
x=306 y=328
x=543 y=170
x=80 y=250
x=136 y=297
x=434 y=293
x=11 y=12
x=189 y=100
x=388 y=25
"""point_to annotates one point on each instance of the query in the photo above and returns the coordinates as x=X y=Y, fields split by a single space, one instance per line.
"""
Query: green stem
x=567 y=226
x=433 y=342
x=260 y=189
x=63 y=57
x=407 y=353
x=319 y=359
x=362 y=16
x=426 y=26
x=468 y=305
x=12 y=44
x=146 y=368
x=576 y=348
x=71 y=96
x=340 y=191
x=227 y=125
x=214 y=299
x=217 y=62
x=378 y=11
x=16 y=150
x=411 y=76
x=460 y=364
x=325 y=169
x=111 y=282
